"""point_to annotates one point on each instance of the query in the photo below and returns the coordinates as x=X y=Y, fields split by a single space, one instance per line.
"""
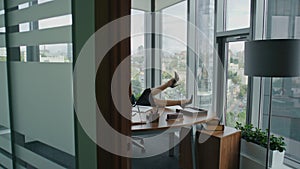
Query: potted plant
x=254 y=147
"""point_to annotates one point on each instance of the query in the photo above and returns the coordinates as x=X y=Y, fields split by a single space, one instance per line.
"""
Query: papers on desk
x=191 y=111
x=141 y=109
x=174 y=107
x=138 y=118
x=139 y=114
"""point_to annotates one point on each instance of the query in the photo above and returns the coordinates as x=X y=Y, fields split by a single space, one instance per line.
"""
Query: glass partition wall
x=36 y=97
x=279 y=19
x=5 y=127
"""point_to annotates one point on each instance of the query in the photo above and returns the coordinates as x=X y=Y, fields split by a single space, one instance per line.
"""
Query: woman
x=147 y=99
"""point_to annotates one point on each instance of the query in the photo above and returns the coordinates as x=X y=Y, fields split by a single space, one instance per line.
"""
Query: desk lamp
x=272 y=58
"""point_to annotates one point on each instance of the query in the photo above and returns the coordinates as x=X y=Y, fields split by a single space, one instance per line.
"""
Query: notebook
x=191 y=111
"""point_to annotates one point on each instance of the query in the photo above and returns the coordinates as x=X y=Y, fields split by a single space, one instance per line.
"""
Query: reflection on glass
x=137 y=54
x=285 y=115
x=55 y=22
x=282 y=21
x=47 y=53
x=174 y=55
x=236 y=85
x=237 y=14
x=56 y=53
x=204 y=14
x=2 y=54
x=41 y=112
x=5 y=130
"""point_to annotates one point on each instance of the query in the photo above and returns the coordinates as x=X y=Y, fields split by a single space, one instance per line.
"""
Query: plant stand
x=254 y=156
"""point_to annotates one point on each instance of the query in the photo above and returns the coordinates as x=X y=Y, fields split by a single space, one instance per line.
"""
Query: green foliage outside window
x=2 y=58
x=243 y=91
x=232 y=118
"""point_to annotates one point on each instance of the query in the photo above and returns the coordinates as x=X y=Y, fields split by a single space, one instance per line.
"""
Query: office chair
x=141 y=101
x=138 y=141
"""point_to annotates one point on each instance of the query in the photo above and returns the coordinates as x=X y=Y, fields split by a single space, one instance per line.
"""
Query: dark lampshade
x=272 y=58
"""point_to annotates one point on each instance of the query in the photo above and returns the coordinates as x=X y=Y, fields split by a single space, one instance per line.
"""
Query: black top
x=146 y=98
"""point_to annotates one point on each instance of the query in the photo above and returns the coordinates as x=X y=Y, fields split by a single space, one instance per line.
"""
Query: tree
x=241 y=117
x=231 y=74
x=136 y=87
x=165 y=75
x=236 y=80
x=230 y=119
x=243 y=91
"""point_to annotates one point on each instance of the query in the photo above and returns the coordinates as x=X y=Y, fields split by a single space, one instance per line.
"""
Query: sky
x=238 y=14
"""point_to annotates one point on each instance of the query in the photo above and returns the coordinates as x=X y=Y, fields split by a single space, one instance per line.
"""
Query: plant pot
x=254 y=156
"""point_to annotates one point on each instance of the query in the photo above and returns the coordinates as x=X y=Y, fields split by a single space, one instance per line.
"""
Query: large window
x=237 y=84
x=233 y=23
x=174 y=52
x=237 y=14
x=280 y=20
x=138 y=52
x=191 y=55
x=205 y=62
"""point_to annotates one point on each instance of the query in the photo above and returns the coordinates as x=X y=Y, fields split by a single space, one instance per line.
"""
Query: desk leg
x=171 y=144
x=193 y=142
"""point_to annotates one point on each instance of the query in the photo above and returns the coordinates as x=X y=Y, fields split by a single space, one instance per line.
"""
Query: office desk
x=220 y=151
x=167 y=126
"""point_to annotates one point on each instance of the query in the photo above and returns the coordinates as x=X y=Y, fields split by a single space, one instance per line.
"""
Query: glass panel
x=282 y=21
x=236 y=84
x=42 y=113
x=3 y=54
x=137 y=53
x=297 y=27
x=237 y=14
x=220 y=16
x=43 y=124
x=47 y=53
x=285 y=119
x=36 y=36
x=56 y=53
x=205 y=62
x=5 y=129
x=55 y=22
x=174 y=52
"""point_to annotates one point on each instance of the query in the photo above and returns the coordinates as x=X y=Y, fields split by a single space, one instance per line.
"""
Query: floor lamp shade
x=272 y=58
